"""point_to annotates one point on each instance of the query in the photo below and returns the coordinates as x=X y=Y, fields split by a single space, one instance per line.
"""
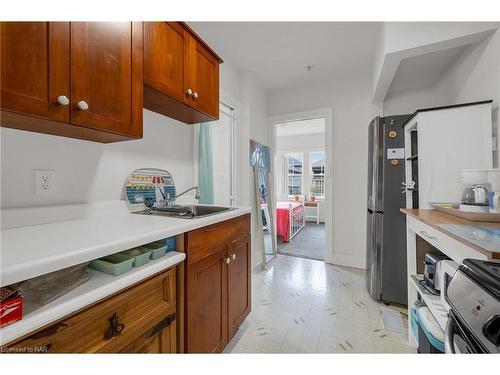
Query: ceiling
x=302 y=127
x=423 y=71
x=277 y=53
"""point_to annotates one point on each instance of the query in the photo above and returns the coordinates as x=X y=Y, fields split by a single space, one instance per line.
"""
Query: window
x=295 y=162
x=317 y=172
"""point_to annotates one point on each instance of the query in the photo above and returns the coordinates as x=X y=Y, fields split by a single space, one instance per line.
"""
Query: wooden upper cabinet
x=73 y=79
x=164 y=68
x=181 y=73
x=106 y=76
x=35 y=68
x=204 y=79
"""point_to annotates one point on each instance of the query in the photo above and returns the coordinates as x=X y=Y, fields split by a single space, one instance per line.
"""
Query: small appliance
x=432 y=272
x=475 y=199
x=475 y=196
x=446 y=271
x=474 y=319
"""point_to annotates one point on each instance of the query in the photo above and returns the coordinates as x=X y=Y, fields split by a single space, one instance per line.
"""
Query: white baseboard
x=347 y=260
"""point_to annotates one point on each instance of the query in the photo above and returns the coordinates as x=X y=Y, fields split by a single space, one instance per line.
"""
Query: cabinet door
x=165 y=54
x=106 y=74
x=207 y=303
x=238 y=284
x=35 y=68
x=159 y=339
x=204 y=79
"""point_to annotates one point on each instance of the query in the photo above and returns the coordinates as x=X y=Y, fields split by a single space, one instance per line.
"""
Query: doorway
x=319 y=156
x=300 y=181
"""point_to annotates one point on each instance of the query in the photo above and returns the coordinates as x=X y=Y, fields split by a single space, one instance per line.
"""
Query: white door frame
x=235 y=104
x=325 y=113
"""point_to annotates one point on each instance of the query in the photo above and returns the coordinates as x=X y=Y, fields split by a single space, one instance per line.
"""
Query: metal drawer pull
x=227 y=260
x=427 y=235
x=115 y=327
x=162 y=325
x=233 y=257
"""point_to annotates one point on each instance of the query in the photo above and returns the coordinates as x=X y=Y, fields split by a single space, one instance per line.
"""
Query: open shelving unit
x=432 y=301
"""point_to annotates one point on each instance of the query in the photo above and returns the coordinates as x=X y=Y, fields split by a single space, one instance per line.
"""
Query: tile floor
x=306 y=306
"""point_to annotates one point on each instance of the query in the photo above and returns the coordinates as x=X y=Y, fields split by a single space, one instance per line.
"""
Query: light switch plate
x=45 y=181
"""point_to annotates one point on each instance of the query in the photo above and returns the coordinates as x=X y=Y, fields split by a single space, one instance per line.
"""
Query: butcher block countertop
x=481 y=236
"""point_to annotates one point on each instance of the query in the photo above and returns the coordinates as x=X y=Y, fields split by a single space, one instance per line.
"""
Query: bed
x=290 y=219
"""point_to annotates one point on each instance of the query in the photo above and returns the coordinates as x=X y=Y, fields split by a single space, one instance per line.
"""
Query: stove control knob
x=491 y=330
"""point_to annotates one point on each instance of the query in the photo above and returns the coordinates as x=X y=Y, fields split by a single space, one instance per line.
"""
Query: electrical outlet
x=45 y=181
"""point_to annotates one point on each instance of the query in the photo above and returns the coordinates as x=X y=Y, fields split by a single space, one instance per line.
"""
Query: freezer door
x=373 y=253
x=375 y=164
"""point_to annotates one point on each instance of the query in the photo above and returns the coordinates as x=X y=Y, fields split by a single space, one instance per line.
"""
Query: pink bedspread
x=283 y=218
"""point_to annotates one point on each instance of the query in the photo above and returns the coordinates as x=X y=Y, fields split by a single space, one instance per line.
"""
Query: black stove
x=474 y=320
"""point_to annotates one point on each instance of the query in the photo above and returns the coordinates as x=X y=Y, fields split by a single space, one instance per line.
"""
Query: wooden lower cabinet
x=238 y=284
x=218 y=287
x=140 y=319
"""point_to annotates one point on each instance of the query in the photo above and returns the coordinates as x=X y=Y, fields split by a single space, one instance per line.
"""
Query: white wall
x=253 y=125
x=352 y=112
x=474 y=76
x=90 y=171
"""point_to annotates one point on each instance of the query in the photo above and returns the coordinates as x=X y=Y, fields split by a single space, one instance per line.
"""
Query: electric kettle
x=475 y=198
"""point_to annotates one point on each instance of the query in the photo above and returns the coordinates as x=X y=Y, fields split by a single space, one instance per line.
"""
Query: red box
x=11 y=307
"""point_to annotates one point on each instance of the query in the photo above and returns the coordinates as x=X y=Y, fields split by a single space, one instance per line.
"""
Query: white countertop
x=34 y=250
x=98 y=287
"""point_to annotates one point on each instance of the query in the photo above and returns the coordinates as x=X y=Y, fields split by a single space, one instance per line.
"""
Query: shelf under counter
x=99 y=287
x=432 y=301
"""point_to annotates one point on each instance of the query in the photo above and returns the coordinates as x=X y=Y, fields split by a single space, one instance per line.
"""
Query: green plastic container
x=115 y=264
x=157 y=248
x=140 y=255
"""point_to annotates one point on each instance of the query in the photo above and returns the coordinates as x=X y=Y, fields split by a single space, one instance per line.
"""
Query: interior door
x=106 y=76
x=166 y=47
x=207 y=303
x=204 y=79
x=223 y=156
x=238 y=284
x=35 y=68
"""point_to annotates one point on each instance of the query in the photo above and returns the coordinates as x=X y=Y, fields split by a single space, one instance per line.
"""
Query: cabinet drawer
x=134 y=311
x=456 y=250
x=205 y=241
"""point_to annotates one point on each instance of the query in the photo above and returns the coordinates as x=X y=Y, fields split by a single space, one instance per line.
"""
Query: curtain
x=205 y=164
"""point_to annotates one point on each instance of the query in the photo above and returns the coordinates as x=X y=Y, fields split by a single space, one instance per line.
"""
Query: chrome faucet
x=171 y=201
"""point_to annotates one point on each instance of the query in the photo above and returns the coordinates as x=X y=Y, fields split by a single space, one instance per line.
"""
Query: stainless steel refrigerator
x=386 y=224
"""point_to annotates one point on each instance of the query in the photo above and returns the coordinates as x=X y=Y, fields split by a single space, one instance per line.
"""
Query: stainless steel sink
x=185 y=212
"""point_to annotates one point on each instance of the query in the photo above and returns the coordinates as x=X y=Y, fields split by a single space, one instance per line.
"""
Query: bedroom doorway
x=300 y=181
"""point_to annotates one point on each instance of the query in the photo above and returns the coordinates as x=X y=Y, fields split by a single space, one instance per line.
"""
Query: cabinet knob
x=228 y=260
x=195 y=95
x=82 y=105
x=233 y=257
x=189 y=92
x=62 y=100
